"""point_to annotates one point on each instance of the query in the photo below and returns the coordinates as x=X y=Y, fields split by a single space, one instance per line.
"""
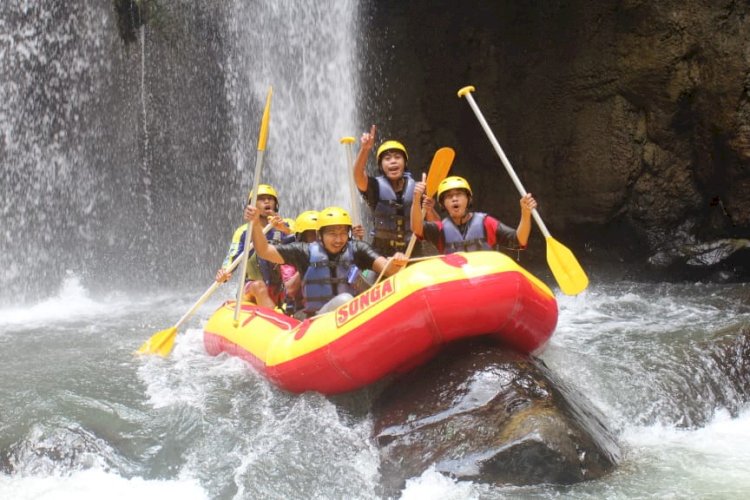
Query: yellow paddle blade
x=441 y=164
x=565 y=267
x=160 y=343
x=263 y=136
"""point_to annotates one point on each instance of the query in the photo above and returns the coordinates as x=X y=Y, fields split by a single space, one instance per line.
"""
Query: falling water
x=52 y=65
x=145 y=171
x=127 y=164
x=306 y=52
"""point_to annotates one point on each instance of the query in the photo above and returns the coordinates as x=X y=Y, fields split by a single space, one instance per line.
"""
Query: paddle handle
x=347 y=142
x=466 y=92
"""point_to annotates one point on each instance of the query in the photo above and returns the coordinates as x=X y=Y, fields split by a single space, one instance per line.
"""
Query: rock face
x=629 y=120
x=482 y=413
x=731 y=355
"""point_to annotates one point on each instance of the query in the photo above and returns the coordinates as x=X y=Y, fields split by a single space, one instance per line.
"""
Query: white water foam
x=74 y=303
x=179 y=379
x=94 y=484
x=71 y=303
x=709 y=461
x=432 y=485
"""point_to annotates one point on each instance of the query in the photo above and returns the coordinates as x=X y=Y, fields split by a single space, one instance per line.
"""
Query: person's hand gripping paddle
x=441 y=164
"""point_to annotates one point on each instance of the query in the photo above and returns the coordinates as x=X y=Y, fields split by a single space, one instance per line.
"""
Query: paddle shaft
x=413 y=239
x=504 y=159
x=248 y=239
x=347 y=142
x=262 y=139
x=214 y=286
x=441 y=164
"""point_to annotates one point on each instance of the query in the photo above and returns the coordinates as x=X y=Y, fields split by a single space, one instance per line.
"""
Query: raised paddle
x=565 y=267
x=441 y=164
x=347 y=142
x=262 y=139
x=161 y=342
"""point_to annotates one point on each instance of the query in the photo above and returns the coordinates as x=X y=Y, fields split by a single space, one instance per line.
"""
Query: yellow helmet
x=391 y=145
x=452 y=182
x=306 y=221
x=265 y=189
x=333 y=216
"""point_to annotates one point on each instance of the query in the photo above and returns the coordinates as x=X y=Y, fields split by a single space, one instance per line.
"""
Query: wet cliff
x=629 y=120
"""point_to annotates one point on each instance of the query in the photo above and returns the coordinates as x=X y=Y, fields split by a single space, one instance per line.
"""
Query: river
x=82 y=417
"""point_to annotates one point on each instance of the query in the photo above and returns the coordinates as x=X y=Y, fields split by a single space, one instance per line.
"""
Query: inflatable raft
x=397 y=324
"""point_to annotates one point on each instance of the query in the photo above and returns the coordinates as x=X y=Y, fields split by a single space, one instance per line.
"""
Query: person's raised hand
x=367 y=141
x=420 y=187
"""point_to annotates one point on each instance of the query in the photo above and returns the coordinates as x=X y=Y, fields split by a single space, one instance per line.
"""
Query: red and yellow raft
x=396 y=325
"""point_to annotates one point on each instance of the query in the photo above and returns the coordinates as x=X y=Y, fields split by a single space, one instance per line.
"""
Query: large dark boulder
x=483 y=413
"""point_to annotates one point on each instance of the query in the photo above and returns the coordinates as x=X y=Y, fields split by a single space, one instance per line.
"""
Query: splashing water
x=306 y=53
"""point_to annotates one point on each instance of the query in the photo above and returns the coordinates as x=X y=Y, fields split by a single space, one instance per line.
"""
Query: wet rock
x=725 y=259
x=48 y=450
x=482 y=413
x=731 y=355
x=5 y=466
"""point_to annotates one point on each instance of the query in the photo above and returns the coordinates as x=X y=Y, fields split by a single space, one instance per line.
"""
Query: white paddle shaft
x=504 y=159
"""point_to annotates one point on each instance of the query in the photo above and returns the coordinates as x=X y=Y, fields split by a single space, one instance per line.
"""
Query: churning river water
x=81 y=417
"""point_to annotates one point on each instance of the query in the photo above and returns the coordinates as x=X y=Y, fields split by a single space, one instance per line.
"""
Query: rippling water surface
x=82 y=417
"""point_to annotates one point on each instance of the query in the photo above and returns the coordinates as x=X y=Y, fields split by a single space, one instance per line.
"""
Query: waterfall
x=306 y=52
x=145 y=171
x=126 y=160
x=52 y=65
